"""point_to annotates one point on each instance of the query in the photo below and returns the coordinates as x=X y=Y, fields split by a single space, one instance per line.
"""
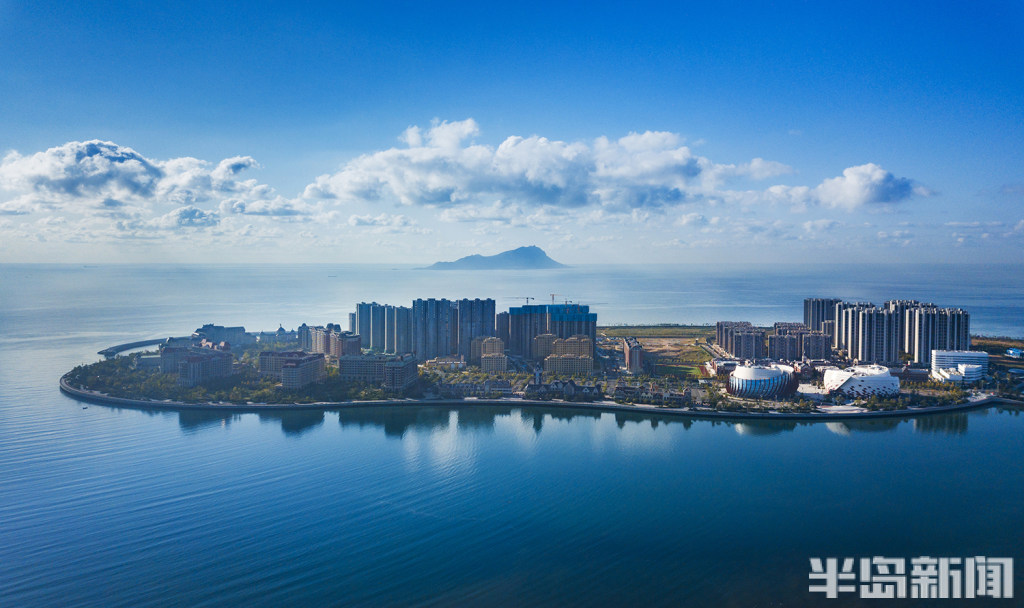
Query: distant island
x=523 y=258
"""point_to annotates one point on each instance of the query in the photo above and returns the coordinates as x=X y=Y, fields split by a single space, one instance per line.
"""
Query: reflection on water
x=946 y=424
x=764 y=427
x=845 y=427
x=396 y=421
x=294 y=423
x=192 y=421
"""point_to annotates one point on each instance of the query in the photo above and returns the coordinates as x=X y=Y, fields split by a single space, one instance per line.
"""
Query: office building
x=971 y=365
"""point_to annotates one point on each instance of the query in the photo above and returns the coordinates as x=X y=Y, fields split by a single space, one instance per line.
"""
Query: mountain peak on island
x=523 y=258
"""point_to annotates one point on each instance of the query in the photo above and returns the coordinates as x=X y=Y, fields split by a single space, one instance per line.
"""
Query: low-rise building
x=201 y=365
x=543 y=345
x=494 y=363
x=569 y=365
x=975 y=364
x=298 y=372
x=294 y=369
x=393 y=372
x=558 y=389
x=447 y=362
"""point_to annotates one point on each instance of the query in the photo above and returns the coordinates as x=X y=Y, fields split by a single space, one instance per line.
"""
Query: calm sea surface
x=470 y=506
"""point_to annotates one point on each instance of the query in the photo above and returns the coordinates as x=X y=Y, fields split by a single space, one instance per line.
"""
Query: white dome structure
x=761 y=381
x=862 y=381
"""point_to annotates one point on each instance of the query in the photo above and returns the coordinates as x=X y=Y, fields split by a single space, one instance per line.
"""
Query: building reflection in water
x=396 y=421
x=945 y=424
x=193 y=421
x=294 y=423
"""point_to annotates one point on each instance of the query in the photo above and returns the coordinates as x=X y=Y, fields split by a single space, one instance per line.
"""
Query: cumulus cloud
x=102 y=175
x=187 y=217
x=442 y=166
x=822 y=225
x=864 y=185
x=103 y=189
x=386 y=223
x=867 y=185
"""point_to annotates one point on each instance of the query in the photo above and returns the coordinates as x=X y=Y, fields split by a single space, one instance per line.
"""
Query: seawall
x=90 y=396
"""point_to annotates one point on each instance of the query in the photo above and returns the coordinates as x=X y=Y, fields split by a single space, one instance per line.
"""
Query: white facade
x=949 y=359
x=862 y=381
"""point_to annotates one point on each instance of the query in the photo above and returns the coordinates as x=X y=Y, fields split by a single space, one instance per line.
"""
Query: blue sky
x=674 y=132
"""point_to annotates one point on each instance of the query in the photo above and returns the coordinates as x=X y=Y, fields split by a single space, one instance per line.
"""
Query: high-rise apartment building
x=819 y=310
x=434 y=328
x=725 y=330
x=875 y=337
x=476 y=320
x=501 y=328
x=847 y=318
x=526 y=323
x=749 y=344
x=816 y=345
x=937 y=329
x=784 y=347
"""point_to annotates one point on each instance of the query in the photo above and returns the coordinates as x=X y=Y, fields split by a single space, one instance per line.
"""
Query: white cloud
x=817 y=226
x=864 y=185
x=187 y=217
x=386 y=223
x=442 y=167
x=102 y=175
x=692 y=219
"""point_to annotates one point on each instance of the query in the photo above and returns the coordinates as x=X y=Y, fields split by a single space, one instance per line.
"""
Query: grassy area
x=996 y=348
x=682 y=372
x=689 y=332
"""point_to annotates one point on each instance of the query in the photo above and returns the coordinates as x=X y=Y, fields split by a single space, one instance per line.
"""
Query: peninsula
x=523 y=258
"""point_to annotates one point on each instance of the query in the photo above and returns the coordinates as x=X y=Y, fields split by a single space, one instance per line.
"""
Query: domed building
x=762 y=381
x=862 y=381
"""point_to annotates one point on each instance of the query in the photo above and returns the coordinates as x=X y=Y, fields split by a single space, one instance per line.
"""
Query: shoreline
x=90 y=396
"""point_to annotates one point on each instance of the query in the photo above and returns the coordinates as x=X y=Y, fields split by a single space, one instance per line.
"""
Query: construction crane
x=553 y=296
x=527 y=298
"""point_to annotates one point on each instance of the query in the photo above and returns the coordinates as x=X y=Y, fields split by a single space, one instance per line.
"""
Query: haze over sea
x=475 y=505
